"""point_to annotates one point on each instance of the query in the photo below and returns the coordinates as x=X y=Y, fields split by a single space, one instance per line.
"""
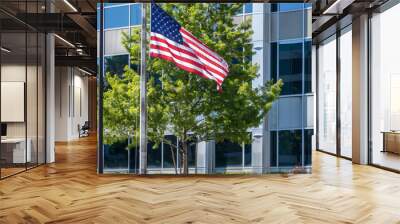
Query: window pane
x=327 y=95
x=247 y=154
x=113 y=4
x=136 y=14
x=228 y=154
x=385 y=88
x=115 y=155
x=290 y=6
x=248 y=8
x=116 y=17
x=115 y=64
x=274 y=7
x=308 y=133
x=134 y=158
x=192 y=154
x=273 y=148
x=346 y=94
x=290 y=143
x=307 y=67
x=274 y=61
x=290 y=67
x=168 y=158
x=153 y=156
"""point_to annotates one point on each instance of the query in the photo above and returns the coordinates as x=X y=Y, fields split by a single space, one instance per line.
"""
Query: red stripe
x=198 y=42
x=172 y=46
x=193 y=54
x=206 y=57
x=201 y=53
x=202 y=66
x=183 y=67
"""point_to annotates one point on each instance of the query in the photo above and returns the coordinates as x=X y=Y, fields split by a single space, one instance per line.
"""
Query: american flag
x=171 y=42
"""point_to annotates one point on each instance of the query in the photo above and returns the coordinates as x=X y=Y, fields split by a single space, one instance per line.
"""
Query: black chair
x=84 y=130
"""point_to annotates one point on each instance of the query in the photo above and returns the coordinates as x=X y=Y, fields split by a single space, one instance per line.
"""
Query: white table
x=19 y=153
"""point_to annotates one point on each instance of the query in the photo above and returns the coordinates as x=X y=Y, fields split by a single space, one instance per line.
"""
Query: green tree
x=189 y=106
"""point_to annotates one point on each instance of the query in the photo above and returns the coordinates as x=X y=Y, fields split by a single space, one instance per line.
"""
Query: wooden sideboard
x=391 y=141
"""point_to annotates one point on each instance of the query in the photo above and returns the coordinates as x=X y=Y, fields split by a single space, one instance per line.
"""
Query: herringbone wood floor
x=70 y=191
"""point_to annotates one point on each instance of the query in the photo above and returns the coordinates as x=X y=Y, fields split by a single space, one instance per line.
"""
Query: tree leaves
x=185 y=104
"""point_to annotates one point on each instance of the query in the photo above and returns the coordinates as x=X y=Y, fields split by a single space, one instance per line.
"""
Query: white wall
x=71 y=102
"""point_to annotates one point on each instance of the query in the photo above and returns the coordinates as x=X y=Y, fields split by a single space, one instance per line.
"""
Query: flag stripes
x=171 y=42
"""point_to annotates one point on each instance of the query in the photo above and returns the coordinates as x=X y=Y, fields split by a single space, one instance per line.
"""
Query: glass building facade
x=282 y=45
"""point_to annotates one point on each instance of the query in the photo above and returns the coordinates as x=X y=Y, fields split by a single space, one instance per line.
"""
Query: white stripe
x=197 y=42
x=213 y=74
x=198 y=51
x=223 y=63
x=198 y=60
x=188 y=49
x=172 y=42
x=156 y=51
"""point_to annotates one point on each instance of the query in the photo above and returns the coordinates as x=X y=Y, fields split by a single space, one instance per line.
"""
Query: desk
x=391 y=141
x=13 y=150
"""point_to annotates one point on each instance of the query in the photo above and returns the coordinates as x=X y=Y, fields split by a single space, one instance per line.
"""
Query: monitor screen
x=3 y=129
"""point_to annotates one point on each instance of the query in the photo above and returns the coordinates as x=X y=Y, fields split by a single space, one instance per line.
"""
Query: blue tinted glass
x=98 y=19
x=274 y=7
x=113 y=4
x=153 y=155
x=192 y=154
x=290 y=148
x=247 y=154
x=274 y=61
x=134 y=159
x=307 y=67
x=248 y=8
x=290 y=67
x=115 y=64
x=228 y=154
x=308 y=133
x=136 y=14
x=170 y=152
x=290 y=6
x=116 y=155
x=116 y=17
x=273 y=141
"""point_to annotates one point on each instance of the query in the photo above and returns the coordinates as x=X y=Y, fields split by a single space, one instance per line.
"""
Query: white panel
x=257 y=26
x=113 y=42
x=309 y=112
x=289 y=113
x=258 y=7
x=12 y=101
x=257 y=59
x=273 y=117
x=291 y=25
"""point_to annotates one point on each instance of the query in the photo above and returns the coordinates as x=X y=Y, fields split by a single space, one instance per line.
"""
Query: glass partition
x=15 y=152
x=327 y=95
x=385 y=89
x=346 y=75
x=22 y=77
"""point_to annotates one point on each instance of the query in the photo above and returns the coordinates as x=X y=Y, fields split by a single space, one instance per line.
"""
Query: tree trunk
x=185 y=158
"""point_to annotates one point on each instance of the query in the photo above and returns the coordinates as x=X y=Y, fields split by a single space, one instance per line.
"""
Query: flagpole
x=143 y=100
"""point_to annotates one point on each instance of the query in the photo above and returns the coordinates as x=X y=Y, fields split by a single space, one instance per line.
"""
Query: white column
x=360 y=90
x=202 y=158
x=50 y=99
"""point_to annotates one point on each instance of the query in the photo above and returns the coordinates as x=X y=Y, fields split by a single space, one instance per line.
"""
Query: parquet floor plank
x=70 y=191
